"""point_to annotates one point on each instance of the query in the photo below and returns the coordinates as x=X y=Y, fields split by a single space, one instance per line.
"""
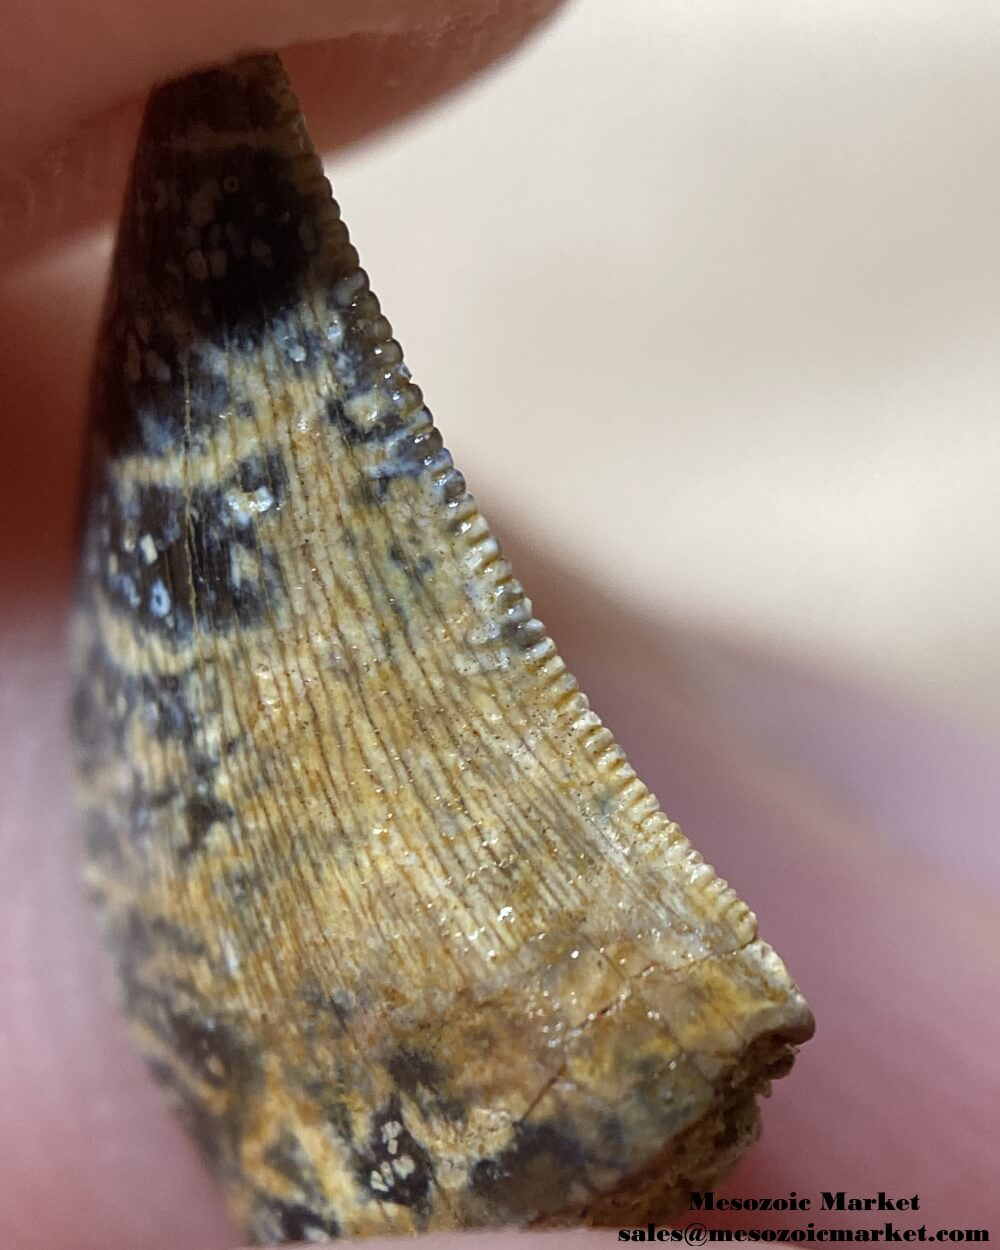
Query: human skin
x=892 y=939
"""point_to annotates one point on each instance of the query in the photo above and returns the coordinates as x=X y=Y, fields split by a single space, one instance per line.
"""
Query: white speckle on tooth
x=159 y=599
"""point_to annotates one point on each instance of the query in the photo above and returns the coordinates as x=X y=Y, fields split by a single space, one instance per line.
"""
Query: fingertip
x=68 y=130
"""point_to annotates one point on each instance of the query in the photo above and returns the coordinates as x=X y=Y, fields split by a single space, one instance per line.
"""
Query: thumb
x=73 y=77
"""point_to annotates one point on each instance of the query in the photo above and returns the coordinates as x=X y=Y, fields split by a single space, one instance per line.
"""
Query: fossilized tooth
x=398 y=927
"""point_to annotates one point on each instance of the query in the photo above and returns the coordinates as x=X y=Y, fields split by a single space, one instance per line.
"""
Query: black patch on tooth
x=221 y=99
x=267 y=470
x=416 y=1069
x=237 y=270
x=362 y=436
x=165 y=932
x=416 y=569
x=145 y=808
x=278 y=1220
x=339 y=1003
x=395 y=1167
x=160 y=411
x=286 y=1156
x=103 y=701
x=532 y=1176
x=338 y=1116
x=142 y=937
x=194 y=535
x=325 y=1006
x=204 y=1044
x=208 y=1046
x=214 y=250
x=338 y=418
x=407 y=456
x=427 y=1081
x=201 y=811
x=166 y=707
x=106 y=712
x=215 y=1143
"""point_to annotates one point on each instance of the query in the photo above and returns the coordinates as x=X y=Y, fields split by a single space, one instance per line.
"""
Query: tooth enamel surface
x=404 y=937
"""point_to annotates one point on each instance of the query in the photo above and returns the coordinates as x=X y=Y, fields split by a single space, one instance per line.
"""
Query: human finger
x=72 y=90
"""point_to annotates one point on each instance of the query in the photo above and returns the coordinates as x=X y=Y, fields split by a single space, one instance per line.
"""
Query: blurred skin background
x=727 y=275
x=704 y=298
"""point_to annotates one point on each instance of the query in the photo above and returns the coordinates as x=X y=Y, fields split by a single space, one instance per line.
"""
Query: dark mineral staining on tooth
x=231 y=262
x=399 y=930
x=205 y=1047
x=532 y=1175
x=180 y=554
x=395 y=1167
x=286 y=1157
x=415 y=1070
x=277 y=1220
x=211 y=103
x=426 y=1080
x=150 y=410
x=167 y=707
x=341 y=1005
x=376 y=433
x=201 y=812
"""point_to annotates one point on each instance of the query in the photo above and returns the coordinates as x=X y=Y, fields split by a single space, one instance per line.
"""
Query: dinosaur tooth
x=404 y=937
